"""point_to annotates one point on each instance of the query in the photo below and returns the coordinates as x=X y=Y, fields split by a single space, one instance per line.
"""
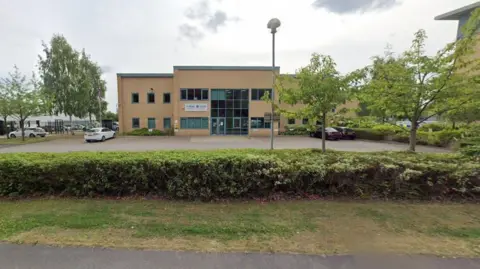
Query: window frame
x=148 y=97
x=169 y=97
x=170 y=122
x=154 y=123
x=264 y=124
x=202 y=124
x=203 y=93
x=257 y=96
x=288 y=121
x=138 y=98
x=133 y=126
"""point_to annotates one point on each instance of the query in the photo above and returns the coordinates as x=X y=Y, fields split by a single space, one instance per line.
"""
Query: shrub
x=361 y=122
x=472 y=151
x=388 y=129
x=434 y=126
x=296 y=130
x=208 y=175
x=146 y=132
x=369 y=134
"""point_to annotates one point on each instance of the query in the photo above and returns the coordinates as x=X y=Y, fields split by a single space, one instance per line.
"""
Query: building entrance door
x=218 y=126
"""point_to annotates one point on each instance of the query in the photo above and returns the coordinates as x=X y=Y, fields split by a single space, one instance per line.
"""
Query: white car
x=98 y=134
x=29 y=132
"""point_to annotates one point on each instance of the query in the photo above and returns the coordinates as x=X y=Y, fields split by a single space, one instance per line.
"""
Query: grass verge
x=315 y=227
x=32 y=140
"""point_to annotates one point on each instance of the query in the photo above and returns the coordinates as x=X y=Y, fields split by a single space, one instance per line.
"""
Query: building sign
x=196 y=107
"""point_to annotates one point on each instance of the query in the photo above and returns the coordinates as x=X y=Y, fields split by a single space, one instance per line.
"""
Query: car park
x=98 y=134
x=330 y=133
x=347 y=133
x=29 y=132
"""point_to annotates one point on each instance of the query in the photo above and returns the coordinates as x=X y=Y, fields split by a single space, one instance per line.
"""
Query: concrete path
x=43 y=257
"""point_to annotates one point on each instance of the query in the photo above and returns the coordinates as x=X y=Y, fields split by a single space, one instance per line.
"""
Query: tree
x=468 y=113
x=110 y=116
x=418 y=87
x=319 y=87
x=5 y=106
x=24 y=96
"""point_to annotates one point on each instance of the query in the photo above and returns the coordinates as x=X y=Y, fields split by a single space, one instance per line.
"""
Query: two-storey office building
x=200 y=100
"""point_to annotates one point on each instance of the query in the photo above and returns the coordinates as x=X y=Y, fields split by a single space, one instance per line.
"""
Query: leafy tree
x=5 y=106
x=318 y=87
x=418 y=87
x=468 y=113
x=24 y=96
x=110 y=116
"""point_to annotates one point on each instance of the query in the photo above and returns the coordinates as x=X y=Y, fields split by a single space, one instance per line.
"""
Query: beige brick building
x=199 y=100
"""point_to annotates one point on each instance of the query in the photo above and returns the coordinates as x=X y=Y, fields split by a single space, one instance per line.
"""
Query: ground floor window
x=135 y=123
x=291 y=121
x=167 y=123
x=193 y=123
x=259 y=123
x=304 y=121
x=151 y=123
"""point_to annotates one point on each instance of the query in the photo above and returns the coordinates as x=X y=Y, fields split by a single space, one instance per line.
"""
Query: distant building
x=461 y=15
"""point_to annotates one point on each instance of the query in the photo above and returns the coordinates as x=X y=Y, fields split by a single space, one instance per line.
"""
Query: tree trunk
x=324 y=116
x=90 y=117
x=5 y=126
x=71 y=125
x=413 y=136
x=22 y=127
x=453 y=124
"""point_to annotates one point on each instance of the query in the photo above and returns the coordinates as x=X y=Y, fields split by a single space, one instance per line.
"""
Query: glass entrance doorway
x=218 y=126
x=229 y=106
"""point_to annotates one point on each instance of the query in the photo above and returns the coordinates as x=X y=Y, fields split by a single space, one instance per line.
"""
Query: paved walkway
x=43 y=257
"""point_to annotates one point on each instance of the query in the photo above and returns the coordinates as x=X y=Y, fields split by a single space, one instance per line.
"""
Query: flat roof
x=459 y=12
x=145 y=75
x=219 y=67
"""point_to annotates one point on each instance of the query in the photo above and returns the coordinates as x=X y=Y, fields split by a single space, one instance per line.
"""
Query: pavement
x=45 y=257
x=209 y=143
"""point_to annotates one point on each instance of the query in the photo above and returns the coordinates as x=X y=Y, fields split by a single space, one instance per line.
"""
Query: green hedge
x=296 y=130
x=154 y=132
x=208 y=175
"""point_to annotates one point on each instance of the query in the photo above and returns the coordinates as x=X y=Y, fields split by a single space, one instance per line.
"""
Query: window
x=167 y=123
x=305 y=121
x=166 y=98
x=135 y=123
x=151 y=123
x=193 y=94
x=135 y=98
x=291 y=121
x=257 y=94
x=259 y=123
x=193 y=123
x=151 y=98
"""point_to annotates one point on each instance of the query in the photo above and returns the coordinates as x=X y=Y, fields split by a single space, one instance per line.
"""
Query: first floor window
x=257 y=94
x=135 y=98
x=151 y=98
x=259 y=123
x=291 y=121
x=193 y=94
x=135 y=123
x=193 y=123
x=166 y=98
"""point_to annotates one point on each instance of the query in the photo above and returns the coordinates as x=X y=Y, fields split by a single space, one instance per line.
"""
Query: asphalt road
x=208 y=142
x=44 y=257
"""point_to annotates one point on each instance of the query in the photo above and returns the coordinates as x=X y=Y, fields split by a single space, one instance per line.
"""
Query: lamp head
x=273 y=24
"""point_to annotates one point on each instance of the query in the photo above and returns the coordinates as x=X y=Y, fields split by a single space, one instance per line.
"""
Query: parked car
x=98 y=134
x=347 y=133
x=29 y=132
x=330 y=133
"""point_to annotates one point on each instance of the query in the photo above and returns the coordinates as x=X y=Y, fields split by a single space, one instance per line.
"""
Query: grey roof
x=202 y=67
x=457 y=13
x=145 y=75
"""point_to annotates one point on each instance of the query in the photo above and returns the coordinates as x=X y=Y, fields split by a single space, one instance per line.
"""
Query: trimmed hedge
x=296 y=130
x=154 y=132
x=209 y=175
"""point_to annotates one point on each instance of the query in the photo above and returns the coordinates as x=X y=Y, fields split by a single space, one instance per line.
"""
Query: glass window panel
x=244 y=122
x=135 y=123
x=254 y=94
x=204 y=94
x=237 y=113
x=229 y=94
x=237 y=104
x=229 y=113
x=291 y=121
x=198 y=94
x=229 y=104
x=183 y=94
x=214 y=104
x=221 y=113
x=221 y=95
x=253 y=123
x=214 y=112
x=183 y=123
x=229 y=123
x=245 y=104
x=244 y=113
x=267 y=125
x=191 y=123
x=214 y=95
x=166 y=98
x=167 y=123
x=135 y=98
x=236 y=122
x=304 y=121
x=237 y=94
x=221 y=104
x=204 y=123
x=150 y=97
x=191 y=94
x=245 y=94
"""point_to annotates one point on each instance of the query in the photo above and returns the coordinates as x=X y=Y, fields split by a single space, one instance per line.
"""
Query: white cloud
x=143 y=35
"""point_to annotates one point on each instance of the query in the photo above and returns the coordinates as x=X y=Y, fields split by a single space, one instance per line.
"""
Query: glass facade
x=229 y=111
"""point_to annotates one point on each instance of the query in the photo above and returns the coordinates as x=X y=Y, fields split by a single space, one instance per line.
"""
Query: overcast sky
x=153 y=35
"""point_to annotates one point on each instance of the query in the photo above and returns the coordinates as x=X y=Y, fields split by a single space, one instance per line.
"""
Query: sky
x=151 y=36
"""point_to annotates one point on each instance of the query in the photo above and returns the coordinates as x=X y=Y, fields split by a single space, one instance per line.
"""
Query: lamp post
x=273 y=24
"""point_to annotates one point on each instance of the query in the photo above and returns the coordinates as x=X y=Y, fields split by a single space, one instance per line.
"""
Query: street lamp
x=273 y=24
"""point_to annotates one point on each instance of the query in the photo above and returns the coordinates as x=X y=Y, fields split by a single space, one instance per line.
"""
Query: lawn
x=315 y=227
x=31 y=140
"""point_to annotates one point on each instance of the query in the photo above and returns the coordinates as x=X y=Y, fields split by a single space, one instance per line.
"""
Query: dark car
x=330 y=133
x=347 y=133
